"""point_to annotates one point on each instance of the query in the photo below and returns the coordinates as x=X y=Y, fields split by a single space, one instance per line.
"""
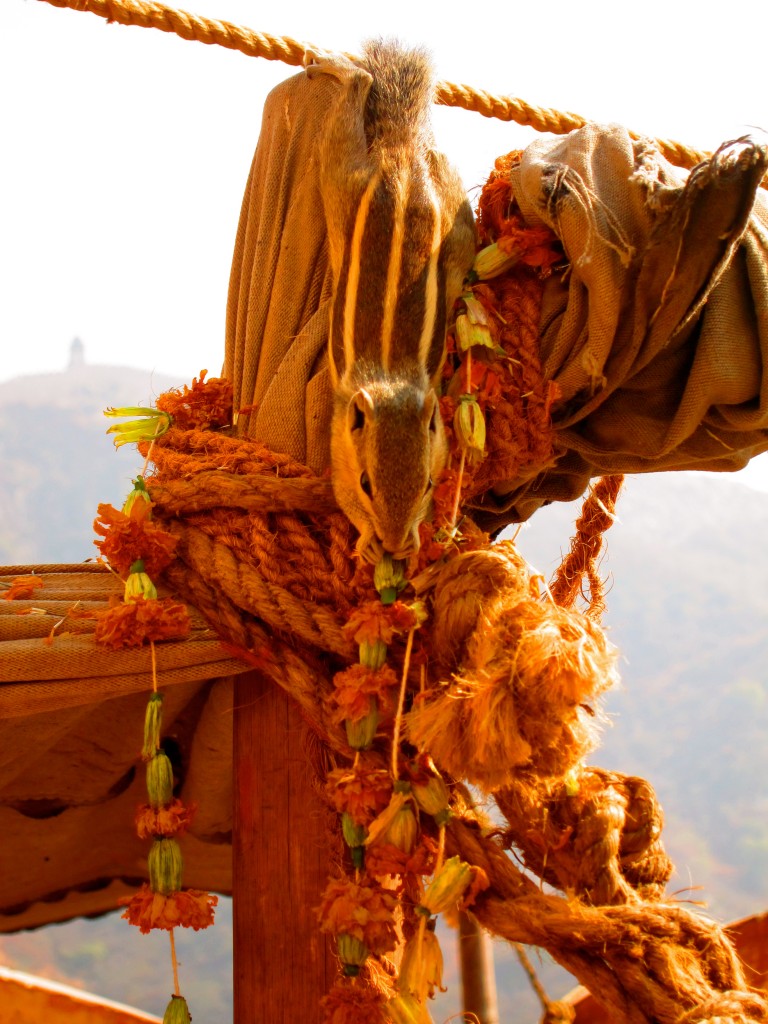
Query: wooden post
x=283 y=965
x=478 y=981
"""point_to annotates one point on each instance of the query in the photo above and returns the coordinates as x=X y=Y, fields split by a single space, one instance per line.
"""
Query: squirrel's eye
x=365 y=484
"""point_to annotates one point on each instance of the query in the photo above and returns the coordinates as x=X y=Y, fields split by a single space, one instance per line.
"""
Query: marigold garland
x=383 y=811
x=138 y=549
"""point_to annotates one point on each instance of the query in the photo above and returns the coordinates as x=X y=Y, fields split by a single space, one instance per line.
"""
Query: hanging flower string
x=162 y=903
x=137 y=549
x=381 y=808
x=380 y=821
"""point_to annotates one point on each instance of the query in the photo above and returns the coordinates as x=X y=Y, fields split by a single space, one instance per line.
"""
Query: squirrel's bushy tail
x=401 y=94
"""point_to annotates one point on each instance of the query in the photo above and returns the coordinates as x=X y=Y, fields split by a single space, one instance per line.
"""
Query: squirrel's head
x=387 y=449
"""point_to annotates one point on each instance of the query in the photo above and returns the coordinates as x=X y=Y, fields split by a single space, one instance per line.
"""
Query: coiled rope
x=151 y=14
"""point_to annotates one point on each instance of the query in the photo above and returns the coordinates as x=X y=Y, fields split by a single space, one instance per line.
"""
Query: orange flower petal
x=374 y=621
x=128 y=537
x=365 y=911
x=350 y=1004
x=130 y=624
x=208 y=403
x=355 y=686
x=168 y=821
x=362 y=792
x=22 y=588
x=189 y=908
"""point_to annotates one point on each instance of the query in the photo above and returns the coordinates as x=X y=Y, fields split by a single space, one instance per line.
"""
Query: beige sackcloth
x=655 y=334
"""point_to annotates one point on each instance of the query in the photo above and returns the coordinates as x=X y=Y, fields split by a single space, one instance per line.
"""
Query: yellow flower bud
x=352 y=953
x=397 y=824
x=177 y=1011
x=474 y=309
x=432 y=796
x=354 y=835
x=153 y=720
x=139 y=493
x=159 y=781
x=406 y=1009
x=421 y=969
x=469 y=424
x=469 y=334
x=373 y=655
x=166 y=866
x=403 y=830
x=139 y=584
x=472 y=326
x=152 y=424
x=389 y=578
x=360 y=734
x=447 y=886
x=492 y=261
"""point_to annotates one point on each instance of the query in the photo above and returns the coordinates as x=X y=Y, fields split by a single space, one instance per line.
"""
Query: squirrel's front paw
x=369 y=547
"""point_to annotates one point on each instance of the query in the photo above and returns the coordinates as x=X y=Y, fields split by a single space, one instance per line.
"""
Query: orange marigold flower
x=386 y=859
x=362 y=792
x=22 y=588
x=130 y=624
x=355 y=686
x=208 y=403
x=444 y=494
x=172 y=820
x=351 y=1004
x=375 y=621
x=365 y=911
x=128 y=537
x=188 y=908
x=536 y=246
x=482 y=382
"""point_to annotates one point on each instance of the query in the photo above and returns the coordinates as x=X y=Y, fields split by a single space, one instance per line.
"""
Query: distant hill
x=57 y=461
x=688 y=607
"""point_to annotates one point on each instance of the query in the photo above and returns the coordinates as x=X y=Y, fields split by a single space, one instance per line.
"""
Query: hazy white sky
x=125 y=150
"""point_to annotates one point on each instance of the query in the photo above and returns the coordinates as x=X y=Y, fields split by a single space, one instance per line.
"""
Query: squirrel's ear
x=359 y=409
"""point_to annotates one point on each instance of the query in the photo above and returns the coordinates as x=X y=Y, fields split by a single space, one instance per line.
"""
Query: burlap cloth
x=655 y=334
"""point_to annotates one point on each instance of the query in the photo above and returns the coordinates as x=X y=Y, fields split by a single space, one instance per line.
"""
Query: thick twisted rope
x=646 y=961
x=151 y=14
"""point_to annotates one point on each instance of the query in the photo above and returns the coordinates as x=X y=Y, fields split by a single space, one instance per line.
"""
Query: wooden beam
x=283 y=965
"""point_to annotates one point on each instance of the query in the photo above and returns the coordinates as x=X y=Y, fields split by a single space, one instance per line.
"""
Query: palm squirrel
x=401 y=240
